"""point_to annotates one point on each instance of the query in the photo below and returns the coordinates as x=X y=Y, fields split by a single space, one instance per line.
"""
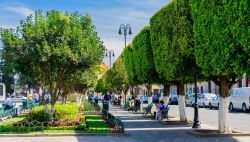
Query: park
x=182 y=75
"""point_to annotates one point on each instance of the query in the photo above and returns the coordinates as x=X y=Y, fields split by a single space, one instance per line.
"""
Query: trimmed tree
x=120 y=78
x=129 y=61
x=172 y=42
x=143 y=59
x=222 y=41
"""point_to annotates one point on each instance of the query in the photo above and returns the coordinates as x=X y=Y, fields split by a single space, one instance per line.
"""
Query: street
x=238 y=120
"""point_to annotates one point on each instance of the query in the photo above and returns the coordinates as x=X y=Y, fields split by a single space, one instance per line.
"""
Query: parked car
x=239 y=98
x=173 y=98
x=204 y=99
x=144 y=99
x=214 y=103
x=190 y=99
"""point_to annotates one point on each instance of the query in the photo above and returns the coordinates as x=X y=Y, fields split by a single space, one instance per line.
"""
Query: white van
x=239 y=99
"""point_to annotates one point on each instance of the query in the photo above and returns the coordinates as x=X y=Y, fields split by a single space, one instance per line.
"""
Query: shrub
x=38 y=114
x=63 y=112
x=66 y=112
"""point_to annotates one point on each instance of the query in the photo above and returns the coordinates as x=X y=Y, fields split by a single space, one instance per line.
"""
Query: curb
x=65 y=135
x=200 y=134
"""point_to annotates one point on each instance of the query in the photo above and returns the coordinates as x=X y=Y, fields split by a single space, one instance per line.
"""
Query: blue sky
x=107 y=15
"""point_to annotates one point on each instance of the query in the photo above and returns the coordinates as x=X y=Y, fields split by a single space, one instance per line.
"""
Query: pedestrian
x=106 y=100
x=36 y=97
x=119 y=100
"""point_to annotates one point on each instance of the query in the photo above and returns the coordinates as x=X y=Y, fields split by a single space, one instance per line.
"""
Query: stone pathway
x=141 y=130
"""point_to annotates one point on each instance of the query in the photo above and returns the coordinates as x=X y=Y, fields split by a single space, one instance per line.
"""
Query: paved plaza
x=140 y=129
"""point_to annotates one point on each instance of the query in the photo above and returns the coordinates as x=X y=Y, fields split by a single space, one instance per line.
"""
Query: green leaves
x=221 y=32
x=172 y=41
x=53 y=48
x=143 y=58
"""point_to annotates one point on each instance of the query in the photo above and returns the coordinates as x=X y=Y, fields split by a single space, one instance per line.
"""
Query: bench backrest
x=165 y=111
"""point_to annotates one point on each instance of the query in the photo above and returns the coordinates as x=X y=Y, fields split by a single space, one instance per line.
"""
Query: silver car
x=214 y=103
x=205 y=99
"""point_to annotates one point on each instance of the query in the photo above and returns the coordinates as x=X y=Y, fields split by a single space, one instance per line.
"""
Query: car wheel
x=203 y=105
x=210 y=106
x=244 y=108
x=231 y=107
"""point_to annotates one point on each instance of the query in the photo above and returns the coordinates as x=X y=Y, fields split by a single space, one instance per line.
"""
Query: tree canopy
x=52 y=47
x=222 y=38
x=143 y=58
x=130 y=65
x=172 y=41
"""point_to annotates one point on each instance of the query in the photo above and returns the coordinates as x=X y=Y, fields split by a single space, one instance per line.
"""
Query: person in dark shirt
x=106 y=100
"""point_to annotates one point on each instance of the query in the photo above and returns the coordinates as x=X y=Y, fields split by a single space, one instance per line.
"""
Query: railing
x=8 y=112
x=14 y=110
x=115 y=122
x=35 y=126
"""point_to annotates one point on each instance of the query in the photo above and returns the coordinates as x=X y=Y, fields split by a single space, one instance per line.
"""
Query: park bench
x=164 y=114
x=7 y=112
x=148 y=110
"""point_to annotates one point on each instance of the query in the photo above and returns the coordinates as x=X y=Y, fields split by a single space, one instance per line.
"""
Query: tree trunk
x=53 y=102
x=52 y=110
x=166 y=94
x=132 y=91
x=82 y=95
x=223 y=106
x=150 y=98
x=126 y=94
x=122 y=95
x=181 y=101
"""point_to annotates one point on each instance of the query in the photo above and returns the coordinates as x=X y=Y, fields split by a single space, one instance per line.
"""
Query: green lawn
x=96 y=123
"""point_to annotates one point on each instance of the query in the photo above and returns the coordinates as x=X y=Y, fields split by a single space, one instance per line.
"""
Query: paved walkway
x=144 y=129
x=141 y=130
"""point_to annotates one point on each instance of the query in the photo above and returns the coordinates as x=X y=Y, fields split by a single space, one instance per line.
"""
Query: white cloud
x=21 y=10
x=5 y=26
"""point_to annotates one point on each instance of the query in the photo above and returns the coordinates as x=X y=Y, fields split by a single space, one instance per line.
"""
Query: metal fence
x=14 y=110
x=115 y=122
x=35 y=126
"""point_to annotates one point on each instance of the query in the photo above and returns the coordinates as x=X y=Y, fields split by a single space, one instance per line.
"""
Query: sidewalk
x=145 y=129
x=141 y=130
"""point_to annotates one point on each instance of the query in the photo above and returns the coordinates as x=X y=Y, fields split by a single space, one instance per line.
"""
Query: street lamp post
x=126 y=31
x=1 y=65
x=196 y=123
x=110 y=54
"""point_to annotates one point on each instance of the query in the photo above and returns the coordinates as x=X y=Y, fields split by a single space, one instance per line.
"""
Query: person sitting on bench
x=159 y=109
